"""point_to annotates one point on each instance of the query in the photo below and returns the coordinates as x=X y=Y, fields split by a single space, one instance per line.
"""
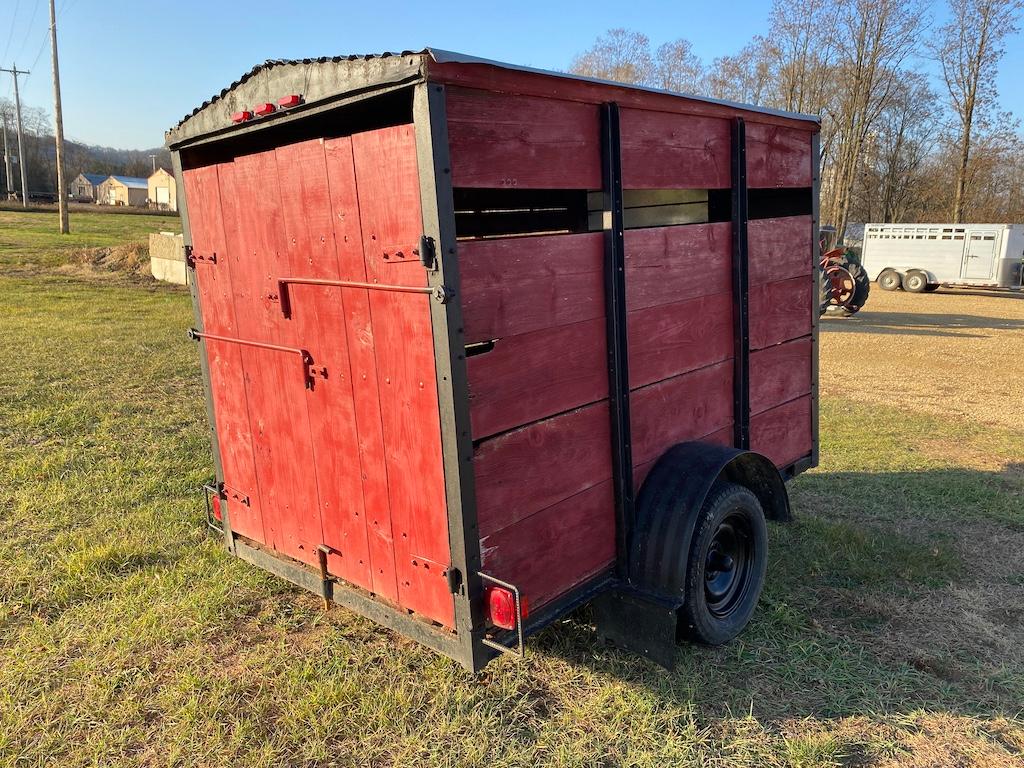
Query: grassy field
x=891 y=632
x=29 y=240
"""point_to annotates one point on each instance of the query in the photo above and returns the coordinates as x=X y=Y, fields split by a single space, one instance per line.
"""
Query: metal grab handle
x=440 y=293
x=310 y=371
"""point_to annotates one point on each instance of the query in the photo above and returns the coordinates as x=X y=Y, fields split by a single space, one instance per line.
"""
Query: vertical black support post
x=815 y=286
x=740 y=288
x=615 y=327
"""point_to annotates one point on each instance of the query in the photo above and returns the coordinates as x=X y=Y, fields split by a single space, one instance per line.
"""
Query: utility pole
x=58 y=121
x=151 y=157
x=8 y=183
x=21 y=140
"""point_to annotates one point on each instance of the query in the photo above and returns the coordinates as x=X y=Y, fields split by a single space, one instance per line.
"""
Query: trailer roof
x=390 y=67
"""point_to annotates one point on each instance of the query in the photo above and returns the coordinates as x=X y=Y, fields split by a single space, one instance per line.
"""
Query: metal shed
x=482 y=343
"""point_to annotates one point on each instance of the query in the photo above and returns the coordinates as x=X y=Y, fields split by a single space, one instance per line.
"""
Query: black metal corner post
x=438 y=210
x=615 y=328
x=204 y=363
x=815 y=286
x=740 y=288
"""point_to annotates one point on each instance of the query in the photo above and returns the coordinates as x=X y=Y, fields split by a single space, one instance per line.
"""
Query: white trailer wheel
x=890 y=280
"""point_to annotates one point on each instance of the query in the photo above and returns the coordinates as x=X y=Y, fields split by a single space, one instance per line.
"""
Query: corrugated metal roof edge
x=442 y=56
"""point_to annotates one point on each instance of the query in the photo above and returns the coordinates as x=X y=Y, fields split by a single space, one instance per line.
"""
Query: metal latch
x=428 y=256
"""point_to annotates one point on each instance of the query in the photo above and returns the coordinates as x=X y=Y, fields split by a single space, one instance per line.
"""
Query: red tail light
x=292 y=100
x=241 y=117
x=215 y=504
x=501 y=607
x=264 y=109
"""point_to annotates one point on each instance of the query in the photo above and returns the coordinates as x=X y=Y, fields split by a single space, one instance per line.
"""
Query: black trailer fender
x=673 y=494
x=641 y=615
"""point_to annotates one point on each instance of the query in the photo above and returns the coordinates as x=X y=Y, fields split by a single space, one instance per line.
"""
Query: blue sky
x=130 y=70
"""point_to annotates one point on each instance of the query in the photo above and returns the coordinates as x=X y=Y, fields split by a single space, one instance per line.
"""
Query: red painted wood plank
x=497 y=140
x=363 y=367
x=680 y=409
x=521 y=472
x=318 y=318
x=275 y=385
x=780 y=311
x=493 y=78
x=780 y=373
x=227 y=387
x=555 y=549
x=517 y=285
x=723 y=436
x=661 y=150
x=670 y=339
x=778 y=156
x=779 y=248
x=389 y=211
x=534 y=375
x=783 y=434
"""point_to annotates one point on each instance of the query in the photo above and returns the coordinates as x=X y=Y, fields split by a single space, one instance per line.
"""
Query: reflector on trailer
x=264 y=109
x=215 y=502
x=501 y=607
x=291 y=100
x=241 y=117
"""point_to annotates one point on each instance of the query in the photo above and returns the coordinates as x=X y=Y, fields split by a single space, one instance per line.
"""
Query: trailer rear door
x=980 y=254
x=324 y=396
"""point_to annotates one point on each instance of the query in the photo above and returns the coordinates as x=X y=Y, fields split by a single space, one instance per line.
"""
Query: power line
x=35 y=9
x=10 y=36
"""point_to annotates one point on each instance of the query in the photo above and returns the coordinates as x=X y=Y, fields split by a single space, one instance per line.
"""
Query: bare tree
x=969 y=48
x=620 y=55
x=745 y=77
x=678 y=68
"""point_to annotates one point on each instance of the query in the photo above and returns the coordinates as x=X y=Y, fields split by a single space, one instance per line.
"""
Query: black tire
x=932 y=287
x=915 y=281
x=890 y=280
x=862 y=289
x=726 y=566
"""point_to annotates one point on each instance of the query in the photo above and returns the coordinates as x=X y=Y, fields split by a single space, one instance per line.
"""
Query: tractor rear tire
x=726 y=567
x=861 y=289
x=915 y=281
x=890 y=280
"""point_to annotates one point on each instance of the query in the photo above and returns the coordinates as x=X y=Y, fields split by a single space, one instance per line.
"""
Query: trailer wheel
x=915 y=281
x=889 y=280
x=726 y=567
x=932 y=287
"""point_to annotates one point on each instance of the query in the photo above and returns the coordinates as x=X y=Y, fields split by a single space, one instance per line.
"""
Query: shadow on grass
x=879 y=600
x=920 y=324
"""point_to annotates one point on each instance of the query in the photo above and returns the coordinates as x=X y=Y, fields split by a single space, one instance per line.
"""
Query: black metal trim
x=438 y=211
x=204 y=361
x=740 y=288
x=816 y=288
x=615 y=329
x=363 y=603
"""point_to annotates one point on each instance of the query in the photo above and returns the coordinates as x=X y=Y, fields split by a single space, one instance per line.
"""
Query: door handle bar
x=310 y=370
x=441 y=293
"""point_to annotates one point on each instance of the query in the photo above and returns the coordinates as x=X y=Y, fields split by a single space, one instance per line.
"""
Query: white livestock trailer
x=921 y=257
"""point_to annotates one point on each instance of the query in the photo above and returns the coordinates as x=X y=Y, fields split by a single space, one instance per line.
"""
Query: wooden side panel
x=275 y=384
x=666 y=265
x=499 y=140
x=517 y=285
x=779 y=248
x=778 y=156
x=213 y=282
x=556 y=549
x=779 y=374
x=723 y=436
x=679 y=409
x=389 y=208
x=662 y=150
x=522 y=472
x=783 y=434
x=363 y=368
x=780 y=311
x=318 y=318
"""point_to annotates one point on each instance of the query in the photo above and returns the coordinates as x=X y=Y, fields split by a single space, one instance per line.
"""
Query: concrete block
x=167 y=257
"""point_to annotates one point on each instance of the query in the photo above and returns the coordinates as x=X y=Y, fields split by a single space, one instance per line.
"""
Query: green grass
x=127 y=637
x=31 y=239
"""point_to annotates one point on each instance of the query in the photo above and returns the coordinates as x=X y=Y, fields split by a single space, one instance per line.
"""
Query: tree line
x=40 y=154
x=896 y=143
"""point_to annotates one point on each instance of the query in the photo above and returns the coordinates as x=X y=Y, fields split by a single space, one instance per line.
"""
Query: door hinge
x=428 y=255
x=192 y=258
x=454 y=576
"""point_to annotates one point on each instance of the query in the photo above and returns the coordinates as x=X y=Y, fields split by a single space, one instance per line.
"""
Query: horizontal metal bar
x=309 y=371
x=440 y=293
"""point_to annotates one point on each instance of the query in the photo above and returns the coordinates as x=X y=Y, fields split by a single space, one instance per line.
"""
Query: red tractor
x=844 y=282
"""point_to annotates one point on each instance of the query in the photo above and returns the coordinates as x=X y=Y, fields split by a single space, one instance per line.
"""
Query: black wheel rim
x=728 y=565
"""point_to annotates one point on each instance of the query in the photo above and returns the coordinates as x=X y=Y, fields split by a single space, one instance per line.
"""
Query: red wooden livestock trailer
x=483 y=343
